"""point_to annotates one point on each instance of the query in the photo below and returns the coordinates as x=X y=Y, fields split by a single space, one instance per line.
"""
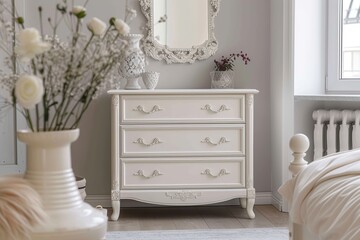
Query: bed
x=324 y=196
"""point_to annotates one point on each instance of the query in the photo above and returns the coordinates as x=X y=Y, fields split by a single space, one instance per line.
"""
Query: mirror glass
x=174 y=30
x=180 y=31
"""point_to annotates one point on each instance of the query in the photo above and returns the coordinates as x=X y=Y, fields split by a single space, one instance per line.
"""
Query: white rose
x=29 y=91
x=30 y=44
x=96 y=26
x=122 y=27
x=78 y=9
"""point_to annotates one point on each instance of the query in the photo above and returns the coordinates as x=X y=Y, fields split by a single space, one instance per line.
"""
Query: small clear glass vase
x=222 y=79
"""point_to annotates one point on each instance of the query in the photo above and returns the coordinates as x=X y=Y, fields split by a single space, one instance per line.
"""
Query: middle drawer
x=182 y=140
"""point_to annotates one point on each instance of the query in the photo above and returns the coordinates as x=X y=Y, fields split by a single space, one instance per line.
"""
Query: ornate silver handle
x=221 y=173
x=154 y=141
x=221 y=141
x=154 y=174
x=155 y=108
x=221 y=109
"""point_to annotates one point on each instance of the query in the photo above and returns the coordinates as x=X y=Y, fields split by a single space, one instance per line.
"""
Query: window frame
x=334 y=84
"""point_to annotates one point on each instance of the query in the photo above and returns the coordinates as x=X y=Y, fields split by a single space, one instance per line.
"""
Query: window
x=344 y=46
x=351 y=63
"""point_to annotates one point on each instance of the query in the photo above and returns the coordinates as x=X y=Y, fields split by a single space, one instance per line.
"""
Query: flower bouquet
x=223 y=75
x=51 y=81
x=227 y=63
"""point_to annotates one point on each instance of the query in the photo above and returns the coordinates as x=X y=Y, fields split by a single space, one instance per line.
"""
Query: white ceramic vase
x=222 y=79
x=133 y=61
x=150 y=79
x=50 y=173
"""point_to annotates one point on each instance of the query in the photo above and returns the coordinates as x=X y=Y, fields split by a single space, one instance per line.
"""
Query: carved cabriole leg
x=243 y=202
x=116 y=210
x=115 y=202
x=250 y=190
x=115 y=158
x=250 y=203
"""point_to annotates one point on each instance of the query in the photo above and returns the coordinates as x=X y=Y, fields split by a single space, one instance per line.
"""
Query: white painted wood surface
x=182 y=109
x=182 y=147
x=299 y=144
x=147 y=173
x=182 y=140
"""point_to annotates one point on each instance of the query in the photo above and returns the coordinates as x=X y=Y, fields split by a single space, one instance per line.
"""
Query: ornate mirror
x=180 y=31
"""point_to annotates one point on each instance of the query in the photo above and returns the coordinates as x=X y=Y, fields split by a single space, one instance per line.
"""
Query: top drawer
x=182 y=109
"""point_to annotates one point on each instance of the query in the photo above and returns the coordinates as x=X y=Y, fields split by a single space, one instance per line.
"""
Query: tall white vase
x=50 y=173
x=133 y=62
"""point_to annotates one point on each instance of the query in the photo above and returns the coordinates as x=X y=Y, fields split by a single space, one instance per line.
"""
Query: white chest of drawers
x=182 y=147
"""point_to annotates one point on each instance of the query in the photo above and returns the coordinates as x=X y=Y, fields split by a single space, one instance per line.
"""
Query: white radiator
x=335 y=130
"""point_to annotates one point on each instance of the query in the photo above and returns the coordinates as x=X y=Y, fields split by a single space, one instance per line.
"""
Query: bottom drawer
x=183 y=172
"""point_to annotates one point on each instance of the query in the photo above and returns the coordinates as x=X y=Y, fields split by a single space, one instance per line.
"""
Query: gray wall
x=240 y=25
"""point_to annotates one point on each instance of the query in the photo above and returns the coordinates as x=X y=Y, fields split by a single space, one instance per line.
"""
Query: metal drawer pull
x=221 y=141
x=154 y=141
x=221 y=109
x=221 y=173
x=155 y=108
x=154 y=174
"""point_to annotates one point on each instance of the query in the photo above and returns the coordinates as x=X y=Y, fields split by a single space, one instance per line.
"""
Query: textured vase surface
x=150 y=79
x=133 y=62
x=222 y=79
x=49 y=172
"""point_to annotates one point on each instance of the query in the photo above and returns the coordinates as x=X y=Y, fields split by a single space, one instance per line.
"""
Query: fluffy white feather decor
x=20 y=208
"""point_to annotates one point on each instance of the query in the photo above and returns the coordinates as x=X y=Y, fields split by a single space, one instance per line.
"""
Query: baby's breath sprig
x=227 y=63
x=64 y=75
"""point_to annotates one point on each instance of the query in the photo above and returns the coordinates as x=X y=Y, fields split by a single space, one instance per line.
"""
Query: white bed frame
x=299 y=144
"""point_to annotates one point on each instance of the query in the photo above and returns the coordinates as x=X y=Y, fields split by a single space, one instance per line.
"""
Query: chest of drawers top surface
x=184 y=91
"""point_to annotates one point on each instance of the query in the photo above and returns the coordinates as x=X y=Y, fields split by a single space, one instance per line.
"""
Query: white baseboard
x=262 y=198
x=276 y=202
x=94 y=200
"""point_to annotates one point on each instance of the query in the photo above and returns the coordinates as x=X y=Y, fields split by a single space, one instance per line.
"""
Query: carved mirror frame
x=179 y=55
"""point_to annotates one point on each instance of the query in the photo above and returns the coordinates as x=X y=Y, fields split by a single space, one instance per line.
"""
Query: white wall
x=240 y=25
x=281 y=94
x=310 y=46
x=304 y=123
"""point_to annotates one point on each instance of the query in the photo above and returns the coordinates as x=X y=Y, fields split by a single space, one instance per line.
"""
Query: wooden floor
x=215 y=217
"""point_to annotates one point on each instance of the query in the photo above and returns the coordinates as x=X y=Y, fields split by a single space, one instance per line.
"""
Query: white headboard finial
x=299 y=144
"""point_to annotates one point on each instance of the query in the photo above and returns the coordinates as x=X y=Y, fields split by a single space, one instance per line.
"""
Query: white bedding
x=325 y=196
